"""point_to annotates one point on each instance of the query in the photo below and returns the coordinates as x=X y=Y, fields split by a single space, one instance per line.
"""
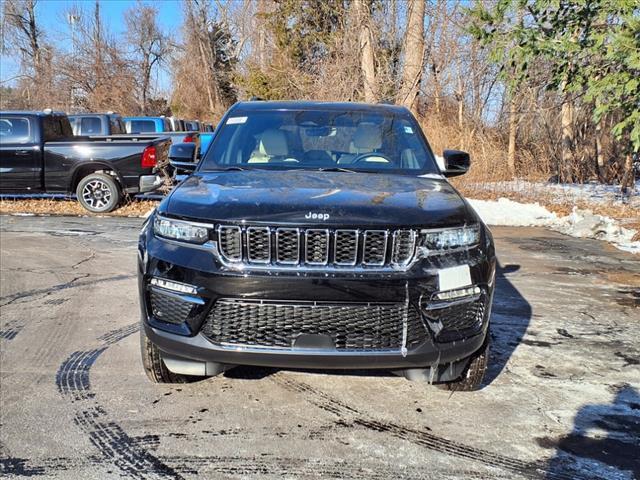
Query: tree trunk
x=627 y=184
x=513 y=128
x=367 y=59
x=567 y=141
x=205 y=65
x=262 y=35
x=413 y=55
x=599 y=153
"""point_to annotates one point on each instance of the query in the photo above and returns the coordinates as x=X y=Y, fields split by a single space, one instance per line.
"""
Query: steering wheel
x=364 y=156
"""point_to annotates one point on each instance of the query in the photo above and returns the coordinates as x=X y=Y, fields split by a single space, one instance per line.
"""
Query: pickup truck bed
x=66 y=160
x=39 y=154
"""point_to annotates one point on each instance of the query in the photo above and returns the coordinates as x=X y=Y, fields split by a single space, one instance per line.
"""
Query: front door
x=20 y=156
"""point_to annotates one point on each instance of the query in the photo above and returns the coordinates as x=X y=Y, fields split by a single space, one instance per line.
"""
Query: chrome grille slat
x=374 y=247
x=292 y=247
x=288 y=246
x=259 y=244
x=404 y=243
x=345 y=247
x=317 y=247
x=230 y=241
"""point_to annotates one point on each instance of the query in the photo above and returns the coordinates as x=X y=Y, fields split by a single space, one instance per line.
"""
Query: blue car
x=205 y=141
x=147 y=124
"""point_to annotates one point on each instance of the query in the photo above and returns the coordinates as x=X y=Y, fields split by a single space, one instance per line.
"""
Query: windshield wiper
x=336 y=169
x=230 y=169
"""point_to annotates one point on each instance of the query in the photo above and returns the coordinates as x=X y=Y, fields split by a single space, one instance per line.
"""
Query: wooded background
x=531 y=88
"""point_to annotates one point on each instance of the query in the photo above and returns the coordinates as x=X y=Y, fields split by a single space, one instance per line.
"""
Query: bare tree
x=23 y=33
x=150 y=46
x=23 y=37
x=414 y=48
x=97 y=73
x=367 y=57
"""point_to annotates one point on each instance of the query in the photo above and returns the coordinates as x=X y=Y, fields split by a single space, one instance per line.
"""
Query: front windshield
x=310 y=139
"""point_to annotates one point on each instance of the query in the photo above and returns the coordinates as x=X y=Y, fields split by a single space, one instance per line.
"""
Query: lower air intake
x=352 y=327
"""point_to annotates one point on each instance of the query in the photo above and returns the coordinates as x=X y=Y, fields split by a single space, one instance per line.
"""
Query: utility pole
x=73 y=19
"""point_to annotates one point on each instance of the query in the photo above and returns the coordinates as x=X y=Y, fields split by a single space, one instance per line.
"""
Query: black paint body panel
x=51 y=166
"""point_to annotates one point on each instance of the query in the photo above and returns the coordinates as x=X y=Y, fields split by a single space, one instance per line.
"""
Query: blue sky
x=51 y=16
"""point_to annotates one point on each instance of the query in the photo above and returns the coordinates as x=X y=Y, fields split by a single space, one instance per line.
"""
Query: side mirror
x=456 y=163
x=183 y=157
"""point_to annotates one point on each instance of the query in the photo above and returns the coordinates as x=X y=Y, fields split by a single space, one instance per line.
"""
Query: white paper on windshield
x=236 y=120
x=454 y=277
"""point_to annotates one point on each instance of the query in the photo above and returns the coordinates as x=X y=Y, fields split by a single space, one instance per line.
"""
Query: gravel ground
x=561 y=400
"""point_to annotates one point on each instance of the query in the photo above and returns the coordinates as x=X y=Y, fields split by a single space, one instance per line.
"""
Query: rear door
x=20 y=154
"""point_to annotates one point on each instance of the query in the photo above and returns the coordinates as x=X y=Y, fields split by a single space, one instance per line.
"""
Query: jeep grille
x=313 y=247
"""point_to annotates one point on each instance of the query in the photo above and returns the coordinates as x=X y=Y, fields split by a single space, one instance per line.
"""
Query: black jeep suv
x=320 y=236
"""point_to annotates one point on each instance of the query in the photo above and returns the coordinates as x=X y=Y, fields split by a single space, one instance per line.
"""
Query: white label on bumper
x=454 y=277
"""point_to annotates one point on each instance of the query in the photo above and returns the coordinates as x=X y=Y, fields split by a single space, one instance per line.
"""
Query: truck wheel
x=98 y=193
x=472 y=376
x=155 y=368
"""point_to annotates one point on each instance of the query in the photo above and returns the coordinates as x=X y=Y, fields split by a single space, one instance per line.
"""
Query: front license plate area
x=454 y=277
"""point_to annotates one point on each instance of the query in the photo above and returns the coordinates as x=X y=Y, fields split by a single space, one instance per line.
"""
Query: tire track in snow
x=326 y=402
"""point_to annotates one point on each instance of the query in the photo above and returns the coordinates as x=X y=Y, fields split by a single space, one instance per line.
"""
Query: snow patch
x=588 y=192
x=580 y=223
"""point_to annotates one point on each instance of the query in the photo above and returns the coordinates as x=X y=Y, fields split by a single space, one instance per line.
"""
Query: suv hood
x=292 y=197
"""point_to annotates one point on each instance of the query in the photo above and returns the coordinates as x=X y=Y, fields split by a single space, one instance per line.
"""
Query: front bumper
x=213 y=282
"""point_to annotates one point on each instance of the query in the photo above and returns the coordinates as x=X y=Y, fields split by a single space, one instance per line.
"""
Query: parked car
x=150 y=125
x=39 y=154
x=97 y=124
x=147 y=124
x=317 y=235
x=192 y=125
x=207 y=127
x=205 y=141
x=177 y=124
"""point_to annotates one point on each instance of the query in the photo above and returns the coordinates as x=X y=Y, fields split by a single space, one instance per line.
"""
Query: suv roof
x=95 y=114
x=33 y=112
x=260 y=105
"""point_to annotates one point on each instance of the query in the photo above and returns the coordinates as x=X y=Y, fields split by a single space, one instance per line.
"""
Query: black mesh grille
x=168 y=308
x=259 y=244
x=459 y=321
x=288 y=245
x=317 y=247
x=375 y=247
x=346 y=247
x=231 y=243
x=277 y=324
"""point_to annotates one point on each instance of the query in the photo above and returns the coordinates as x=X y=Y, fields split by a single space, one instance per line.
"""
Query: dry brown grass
x=488 y=151
x=70 y=207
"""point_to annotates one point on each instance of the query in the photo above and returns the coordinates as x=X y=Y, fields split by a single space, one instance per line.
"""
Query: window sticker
x=236 y=120
x=408 y=129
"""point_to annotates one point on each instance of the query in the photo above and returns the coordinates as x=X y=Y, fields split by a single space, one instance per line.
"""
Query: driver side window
x=15 y=130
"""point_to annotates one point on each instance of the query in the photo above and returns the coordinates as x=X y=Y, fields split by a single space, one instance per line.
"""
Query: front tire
x=153 y=365
x=472 y=376
x=99 y=193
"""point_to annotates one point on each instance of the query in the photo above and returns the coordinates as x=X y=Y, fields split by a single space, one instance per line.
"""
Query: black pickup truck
x=317 y=235
x=39 y=154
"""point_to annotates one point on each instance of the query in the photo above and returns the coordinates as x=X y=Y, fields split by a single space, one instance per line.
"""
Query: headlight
x=449 y=238
x=180 y=230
